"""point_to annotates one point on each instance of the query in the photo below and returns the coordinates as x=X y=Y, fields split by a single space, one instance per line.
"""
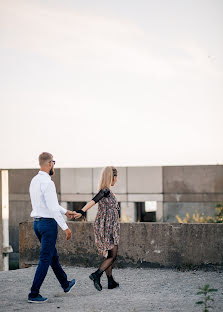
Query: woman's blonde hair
x=107 y=176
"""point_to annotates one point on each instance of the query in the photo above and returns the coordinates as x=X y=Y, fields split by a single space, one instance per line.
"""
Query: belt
x=39 y=219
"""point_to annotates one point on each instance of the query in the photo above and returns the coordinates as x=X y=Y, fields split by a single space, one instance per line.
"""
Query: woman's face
x=114 y=181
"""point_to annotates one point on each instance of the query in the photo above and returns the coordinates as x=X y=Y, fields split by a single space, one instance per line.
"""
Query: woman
x=106 y=226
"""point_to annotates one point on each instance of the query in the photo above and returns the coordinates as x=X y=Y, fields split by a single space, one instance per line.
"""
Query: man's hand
x=68 y=234
x=70 y=214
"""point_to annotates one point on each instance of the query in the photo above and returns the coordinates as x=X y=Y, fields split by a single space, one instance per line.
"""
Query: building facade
x=145 y=194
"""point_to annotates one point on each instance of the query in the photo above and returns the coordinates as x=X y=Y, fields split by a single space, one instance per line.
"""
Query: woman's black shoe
x=95 y=277
x=112 y=283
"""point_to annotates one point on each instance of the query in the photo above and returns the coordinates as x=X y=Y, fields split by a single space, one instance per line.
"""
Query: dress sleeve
x=100 y=195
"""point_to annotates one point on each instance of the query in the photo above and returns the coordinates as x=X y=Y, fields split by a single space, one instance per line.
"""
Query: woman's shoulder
x=105 y=191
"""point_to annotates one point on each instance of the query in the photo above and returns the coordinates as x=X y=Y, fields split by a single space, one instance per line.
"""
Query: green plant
x=125 y=218
x=197 y=218
x=219 y=213
x=205 y=301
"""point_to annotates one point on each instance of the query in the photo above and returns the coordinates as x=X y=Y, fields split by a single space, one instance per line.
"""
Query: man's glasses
x=52 y=161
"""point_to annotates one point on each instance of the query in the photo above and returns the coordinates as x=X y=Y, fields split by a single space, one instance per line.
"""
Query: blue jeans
x=46 y=231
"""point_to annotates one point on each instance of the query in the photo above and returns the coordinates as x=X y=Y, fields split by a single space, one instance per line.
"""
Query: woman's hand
x=77 y=215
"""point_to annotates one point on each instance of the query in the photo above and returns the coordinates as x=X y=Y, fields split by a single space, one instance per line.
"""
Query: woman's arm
x=79 y=214
x=90 y=204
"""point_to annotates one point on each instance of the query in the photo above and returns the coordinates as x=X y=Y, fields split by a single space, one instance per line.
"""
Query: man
x=47 y=214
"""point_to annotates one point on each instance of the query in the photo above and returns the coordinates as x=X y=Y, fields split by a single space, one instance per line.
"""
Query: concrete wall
x=176 y=190
x=81 y=184
x=190 y=180
x=141 y=245
x=1 y=242
x=77 y=186
x=190 y=188
x=145 y=184
x=20 y=205
x=134 y=184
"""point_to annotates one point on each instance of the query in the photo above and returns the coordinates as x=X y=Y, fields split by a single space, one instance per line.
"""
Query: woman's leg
x=108 y=271
x=111 y=282
x=107 y=263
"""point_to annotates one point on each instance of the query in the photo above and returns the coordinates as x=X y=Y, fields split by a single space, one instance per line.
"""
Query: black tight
x=107 y=263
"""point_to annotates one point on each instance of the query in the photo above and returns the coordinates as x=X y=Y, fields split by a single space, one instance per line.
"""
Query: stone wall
x=20 y=205
x=141 y=245
x=191 y=188
x=176 y=189
x=1 y=246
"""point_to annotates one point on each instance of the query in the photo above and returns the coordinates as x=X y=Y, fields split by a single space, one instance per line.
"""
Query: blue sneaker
x=38 y=299
x=72 y=283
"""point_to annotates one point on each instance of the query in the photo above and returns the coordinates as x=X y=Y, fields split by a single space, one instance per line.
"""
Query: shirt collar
x=44 y=173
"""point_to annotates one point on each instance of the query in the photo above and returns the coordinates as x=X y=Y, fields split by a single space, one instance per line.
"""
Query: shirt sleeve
x=62 y=210
x=50 y=196
x=100 y=195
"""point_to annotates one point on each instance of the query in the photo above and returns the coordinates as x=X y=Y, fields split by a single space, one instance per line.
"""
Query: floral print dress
x=106 y=225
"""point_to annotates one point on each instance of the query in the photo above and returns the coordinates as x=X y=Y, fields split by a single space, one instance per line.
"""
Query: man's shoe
x=37 y=299
x=72 y=283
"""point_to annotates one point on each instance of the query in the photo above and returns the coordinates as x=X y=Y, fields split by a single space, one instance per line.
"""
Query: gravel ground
x=140 y=290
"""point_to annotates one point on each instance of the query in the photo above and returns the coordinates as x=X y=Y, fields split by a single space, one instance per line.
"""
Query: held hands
x=70 y=214
x=77 y=215
x=73 y=214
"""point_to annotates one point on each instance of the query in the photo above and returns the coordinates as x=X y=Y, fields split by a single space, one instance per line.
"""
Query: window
x=146 y=211
x=74 y=206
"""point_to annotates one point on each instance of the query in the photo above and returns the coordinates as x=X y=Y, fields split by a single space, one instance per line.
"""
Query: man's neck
x=44 y=169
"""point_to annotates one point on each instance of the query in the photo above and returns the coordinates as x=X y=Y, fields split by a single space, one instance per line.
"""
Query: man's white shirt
x=44 y=199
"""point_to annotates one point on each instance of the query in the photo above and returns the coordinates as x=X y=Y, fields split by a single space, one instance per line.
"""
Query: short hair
x=44 y=158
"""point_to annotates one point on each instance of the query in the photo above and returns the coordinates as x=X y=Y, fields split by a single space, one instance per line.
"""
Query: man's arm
x=53 y=205
x=63 y=211
x=68 y=213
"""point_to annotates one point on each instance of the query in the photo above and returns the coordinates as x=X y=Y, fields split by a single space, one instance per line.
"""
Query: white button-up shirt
x=44 y=199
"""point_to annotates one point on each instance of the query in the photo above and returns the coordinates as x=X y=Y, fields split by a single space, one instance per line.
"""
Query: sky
x=124 y=83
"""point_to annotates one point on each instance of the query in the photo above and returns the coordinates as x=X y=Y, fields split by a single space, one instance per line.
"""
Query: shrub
x=197 y=218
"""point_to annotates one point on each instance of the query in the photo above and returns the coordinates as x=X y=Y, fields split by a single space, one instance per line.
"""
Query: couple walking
x=47 y=214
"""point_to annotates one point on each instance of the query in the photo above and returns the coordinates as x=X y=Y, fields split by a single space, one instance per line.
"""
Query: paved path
x=140 y=290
